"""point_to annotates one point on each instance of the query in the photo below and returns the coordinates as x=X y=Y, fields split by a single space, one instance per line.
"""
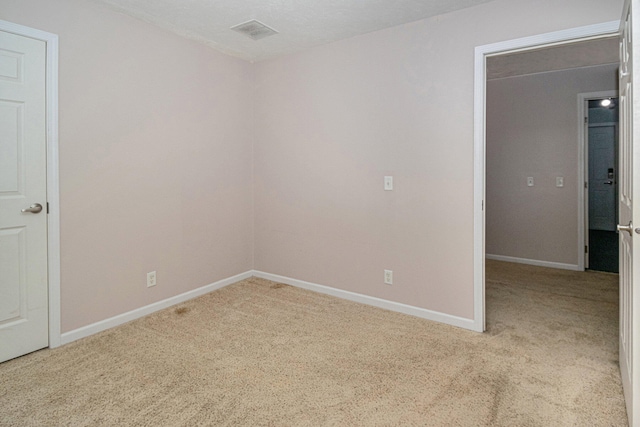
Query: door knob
x=628 y=228
x=608 y=182
x=35 y=208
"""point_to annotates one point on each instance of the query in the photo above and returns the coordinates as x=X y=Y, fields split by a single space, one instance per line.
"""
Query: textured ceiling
x=301 y=24
x=563 y=57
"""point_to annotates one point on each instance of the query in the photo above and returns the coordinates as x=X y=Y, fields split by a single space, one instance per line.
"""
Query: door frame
x=583 y=170
x=605 y=29
x=53 y=184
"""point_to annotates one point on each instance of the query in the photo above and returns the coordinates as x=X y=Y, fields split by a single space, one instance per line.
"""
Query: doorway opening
x=600 y=136
x=537 y=162
x=482 y=54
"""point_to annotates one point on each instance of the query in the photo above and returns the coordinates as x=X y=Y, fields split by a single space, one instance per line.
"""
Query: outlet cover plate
x=151 y=279
x=388 y=277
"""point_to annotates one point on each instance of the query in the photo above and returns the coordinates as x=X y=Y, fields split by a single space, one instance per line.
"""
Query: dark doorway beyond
x=602 y=146
x=603 y=250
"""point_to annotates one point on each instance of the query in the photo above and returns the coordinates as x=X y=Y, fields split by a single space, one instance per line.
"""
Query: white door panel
x=23 y=235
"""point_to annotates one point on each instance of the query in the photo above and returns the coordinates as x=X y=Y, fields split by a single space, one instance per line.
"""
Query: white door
x=603 y=192
x=23 y=235
x=629 y=218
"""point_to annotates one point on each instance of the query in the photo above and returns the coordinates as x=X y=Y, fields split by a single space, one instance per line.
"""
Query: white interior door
x=602 y=177
x=23 y=235
x=629 y=217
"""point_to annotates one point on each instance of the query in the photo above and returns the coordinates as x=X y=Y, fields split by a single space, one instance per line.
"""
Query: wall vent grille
x=254 y=29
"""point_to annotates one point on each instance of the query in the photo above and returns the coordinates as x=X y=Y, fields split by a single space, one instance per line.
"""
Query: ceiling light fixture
x=605 y=102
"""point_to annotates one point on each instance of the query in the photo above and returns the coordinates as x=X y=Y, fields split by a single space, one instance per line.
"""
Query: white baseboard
x=103 y=325
x=373 y=301
x=549 y=264
x=120 y=319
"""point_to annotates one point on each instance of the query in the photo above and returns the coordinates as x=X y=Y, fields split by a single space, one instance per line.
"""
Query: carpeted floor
x=262 y=353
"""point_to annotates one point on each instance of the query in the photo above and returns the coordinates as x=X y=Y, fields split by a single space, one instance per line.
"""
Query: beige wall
x=156 y=162
x=532 y=131
x=155 y=159
x=332 y=121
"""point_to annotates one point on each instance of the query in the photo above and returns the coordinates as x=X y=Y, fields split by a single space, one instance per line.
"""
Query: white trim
x=373 y=301
x=551 y=72
x=53 y=183
x=604 y=29
x=480 y=81
x=583 y=172
x=479 y=164
x=539 y=263
x=120 y=319
x=103 y=325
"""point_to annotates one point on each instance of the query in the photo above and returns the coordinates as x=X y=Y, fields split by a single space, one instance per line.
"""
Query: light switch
x=388 y=183
x=559 y=181
x=530 y=181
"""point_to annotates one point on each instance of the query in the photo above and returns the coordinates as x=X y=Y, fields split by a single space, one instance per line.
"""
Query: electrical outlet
x=530 y=181
x=151 y=279
x=559 y=181
x=388 y=277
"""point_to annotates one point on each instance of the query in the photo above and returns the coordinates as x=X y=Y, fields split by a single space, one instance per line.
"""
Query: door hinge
x=586 y=249
x=586 y=184
x=47 y=207
x=586 y=120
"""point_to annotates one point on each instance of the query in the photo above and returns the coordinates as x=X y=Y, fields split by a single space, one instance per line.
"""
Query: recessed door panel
x=11 y=138
x=12 y=275
x=11 y=66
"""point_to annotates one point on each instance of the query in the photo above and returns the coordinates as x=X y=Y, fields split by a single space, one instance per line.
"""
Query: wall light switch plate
x=559 y=181
x=388 y=183
x=530 y=181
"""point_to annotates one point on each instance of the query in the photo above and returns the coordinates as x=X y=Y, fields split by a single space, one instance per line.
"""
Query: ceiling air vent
x=254 y=29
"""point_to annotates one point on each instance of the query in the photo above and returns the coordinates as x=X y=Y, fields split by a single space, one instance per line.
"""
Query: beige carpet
x=261 y=353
